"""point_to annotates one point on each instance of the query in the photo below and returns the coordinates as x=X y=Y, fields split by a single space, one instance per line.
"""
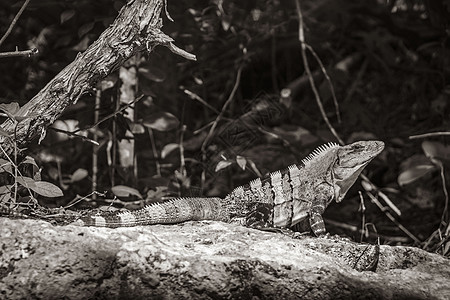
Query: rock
x=203 y=260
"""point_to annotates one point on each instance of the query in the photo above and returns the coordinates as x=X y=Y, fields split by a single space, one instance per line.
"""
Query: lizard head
x=350 y=161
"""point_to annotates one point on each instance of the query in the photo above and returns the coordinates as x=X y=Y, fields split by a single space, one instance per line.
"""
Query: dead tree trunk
x=136 y=28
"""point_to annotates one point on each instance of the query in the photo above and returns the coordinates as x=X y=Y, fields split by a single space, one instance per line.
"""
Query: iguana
x=280 y=200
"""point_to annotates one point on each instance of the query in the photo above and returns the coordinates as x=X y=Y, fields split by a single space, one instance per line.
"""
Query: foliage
x=11 y=190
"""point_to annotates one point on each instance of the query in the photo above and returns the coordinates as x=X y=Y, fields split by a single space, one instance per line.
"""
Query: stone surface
x=203 y=260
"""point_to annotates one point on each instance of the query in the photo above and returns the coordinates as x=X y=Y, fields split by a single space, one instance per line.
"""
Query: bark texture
x=136 y=28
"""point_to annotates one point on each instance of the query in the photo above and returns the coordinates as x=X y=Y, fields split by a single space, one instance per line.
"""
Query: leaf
x=161 y=121
x=5 y=189
x=226 y=22
x=128 y=77
x=413 y=168
x=155 y=181
x=194 y=12
x=182 y=178
x=30 y=160
x=68 y=125
x=168 y=148
x=53 y=173
x=366 y=186
x=158 y=194
x=3 y=132
x=155 y=74
x=85 y=28
x=26 y=181
x=5 y=166
x=67 y=15
x=137 y=128
x=241 y=161
x=436 y=150
x=78 y=175
x=254 y=168
x=10 y=108
x=46 y=189
x=82 y=45
x=198 y=80
x=108 y=82
x=414 y=173
x=63 y=41
x=125 y=191
x=5 y=198
x=294 y=134
x=147 y=90
x=222 y=165
x=37 y=175
x=46 y=157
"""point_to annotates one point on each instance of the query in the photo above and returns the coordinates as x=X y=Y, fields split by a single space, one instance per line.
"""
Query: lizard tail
x=173 y=211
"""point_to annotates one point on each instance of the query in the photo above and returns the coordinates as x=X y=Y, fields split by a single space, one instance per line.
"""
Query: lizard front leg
x=316 y=220
x=323 y=196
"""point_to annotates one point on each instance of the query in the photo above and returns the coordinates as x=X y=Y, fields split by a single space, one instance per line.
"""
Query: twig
x=273 y=62
x=301 y=35
x=369 y=187
x=167 y=11
x=425 y=135
x=216 y=121
x=17 y=53
x=430 y=238
x=182 y=158
x=199 y=99
x=360 y=74
x=225 y=106
x=388 y=201
x=75 y=135
x=16 y=169
x=154 y=151
x=204 y=127
x=98 y=96
x=444 y=188
x=78 y=198
x=391 y=217
x=325 y=73
x=17 y=172
x=110 y=115
x=363 y=216
x=125 y=204
x=441 y=245
x=172 y=47
x=14 y=21
x=395 y=239
x=113 y=140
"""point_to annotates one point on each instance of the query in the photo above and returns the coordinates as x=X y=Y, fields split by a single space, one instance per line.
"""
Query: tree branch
x=17 y=53
x=136 y=28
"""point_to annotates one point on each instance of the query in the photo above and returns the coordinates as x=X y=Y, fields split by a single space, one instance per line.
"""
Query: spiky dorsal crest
x=319 y=151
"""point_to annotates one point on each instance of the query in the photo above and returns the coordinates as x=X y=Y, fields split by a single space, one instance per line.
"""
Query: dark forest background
x=387 y=64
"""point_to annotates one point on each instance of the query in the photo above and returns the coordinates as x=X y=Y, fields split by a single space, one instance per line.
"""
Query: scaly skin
x=169 y=212
x=282 y=199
